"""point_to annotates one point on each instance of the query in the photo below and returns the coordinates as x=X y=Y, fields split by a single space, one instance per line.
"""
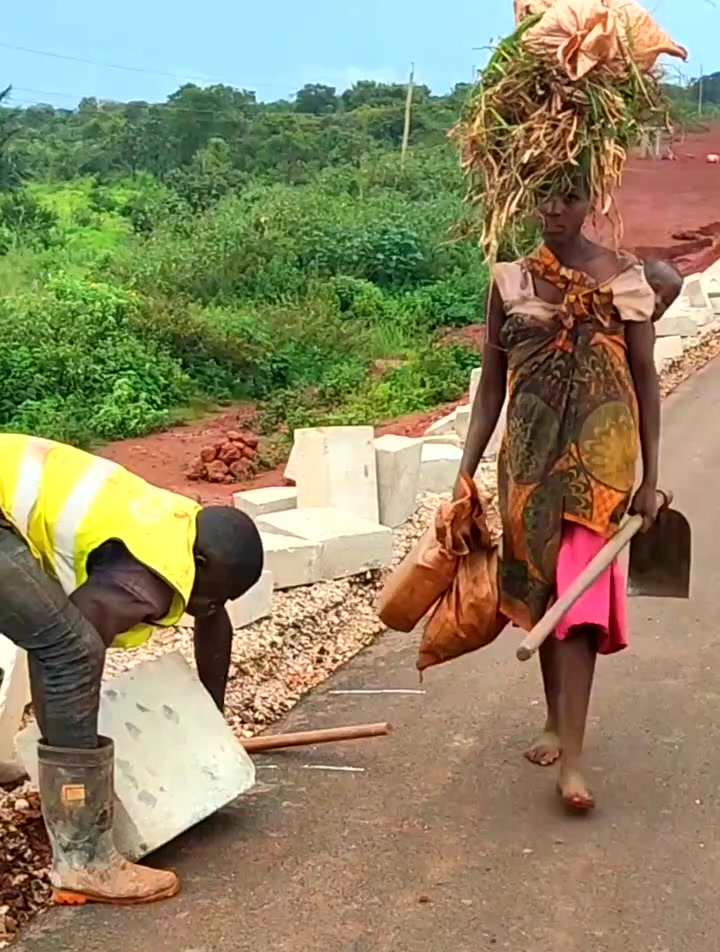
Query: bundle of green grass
x=531 y=127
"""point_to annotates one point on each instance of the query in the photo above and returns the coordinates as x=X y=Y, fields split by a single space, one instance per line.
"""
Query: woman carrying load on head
x=569 y=335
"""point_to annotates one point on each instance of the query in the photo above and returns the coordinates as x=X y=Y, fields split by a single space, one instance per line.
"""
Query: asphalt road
x=443 y=838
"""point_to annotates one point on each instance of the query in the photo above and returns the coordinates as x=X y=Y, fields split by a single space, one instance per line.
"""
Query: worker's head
x=565 y=213
x=228 y=558
x=666 y=282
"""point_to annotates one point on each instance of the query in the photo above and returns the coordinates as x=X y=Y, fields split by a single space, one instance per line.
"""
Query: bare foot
x=574 y=791
x=545 y=750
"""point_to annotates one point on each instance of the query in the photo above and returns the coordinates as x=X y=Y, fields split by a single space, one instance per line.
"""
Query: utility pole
x=408 y=110
x=700 y=92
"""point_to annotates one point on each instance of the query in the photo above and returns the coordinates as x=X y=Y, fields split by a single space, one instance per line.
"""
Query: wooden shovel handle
x=331 y=735
x=550 y=620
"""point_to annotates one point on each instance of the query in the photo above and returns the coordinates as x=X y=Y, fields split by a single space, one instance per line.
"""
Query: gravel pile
x=311 y=633
x=24 y=861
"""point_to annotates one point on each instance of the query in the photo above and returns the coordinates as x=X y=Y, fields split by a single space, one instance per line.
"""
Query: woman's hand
x=646 y=503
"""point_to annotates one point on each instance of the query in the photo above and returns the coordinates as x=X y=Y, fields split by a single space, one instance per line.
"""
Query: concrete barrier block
x=443 y=426
x=349 y=545
x=462 y=421
x=398 y=467
x=666 y=349
x=334 y=468
x=176 y=759
x=677 y=325
x=493 y=447
x=694 y=292
x=254 y=605
x=258 y=502
x=439 y=467
x=291 y=562
x=14 y=698
x=474 y=383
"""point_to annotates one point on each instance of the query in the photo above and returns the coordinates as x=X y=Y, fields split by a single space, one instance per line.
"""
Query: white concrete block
x=462 y=421
x=439 y=467
x=443 y=426
x=398 y=467
x=474 y=383
x=291 y=561
x=250 y=607
x=694 y=291
x=349 y=545
x=14 y=698
x=676 y=325
x=493 y=447
x=334 y=467
x=666 y=349
x=258 y=502
x=176 y=759
x=290 y=465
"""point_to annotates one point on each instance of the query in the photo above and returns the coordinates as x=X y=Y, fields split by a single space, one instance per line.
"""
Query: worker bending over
x=92 y=556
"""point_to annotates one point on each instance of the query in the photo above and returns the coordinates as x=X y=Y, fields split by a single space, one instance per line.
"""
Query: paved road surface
x=447 y=839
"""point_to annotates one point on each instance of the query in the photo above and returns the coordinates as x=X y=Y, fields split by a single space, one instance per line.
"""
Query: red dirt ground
x=668 y=211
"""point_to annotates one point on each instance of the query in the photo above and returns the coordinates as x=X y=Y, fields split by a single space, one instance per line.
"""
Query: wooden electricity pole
x=408 y=111
x=700 y=92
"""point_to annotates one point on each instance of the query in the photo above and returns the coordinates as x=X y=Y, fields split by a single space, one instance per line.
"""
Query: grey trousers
x=66 y=654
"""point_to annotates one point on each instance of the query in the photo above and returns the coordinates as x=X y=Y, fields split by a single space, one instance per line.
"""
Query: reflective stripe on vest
x=29 y=483
x=74 y=510
x=77 y=505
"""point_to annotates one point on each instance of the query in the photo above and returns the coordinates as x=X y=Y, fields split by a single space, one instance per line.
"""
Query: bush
x=24 y=218
x=75 y=368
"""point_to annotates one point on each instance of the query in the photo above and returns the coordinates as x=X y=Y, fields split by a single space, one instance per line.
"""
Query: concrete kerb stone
x=292 y=562
x=667 y=348
x=677 y=325
x=258 y=502
x=694 y=291
x=14 y=698
x=474 y=383
x=176 y=759
x=254 y=605
x=439 y=467
x=348 y=545
x=334 y=467
x=444 y=426
x=398 y=467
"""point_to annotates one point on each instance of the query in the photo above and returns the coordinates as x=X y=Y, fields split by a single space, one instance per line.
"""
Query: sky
x=273 y=47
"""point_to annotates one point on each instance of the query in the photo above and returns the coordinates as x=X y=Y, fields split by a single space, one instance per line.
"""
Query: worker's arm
x=491 y=392
x=213 y=643
x=120 y=593
x=640 y=337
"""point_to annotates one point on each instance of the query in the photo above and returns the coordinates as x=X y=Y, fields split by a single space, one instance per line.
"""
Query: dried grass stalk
x=528 y=131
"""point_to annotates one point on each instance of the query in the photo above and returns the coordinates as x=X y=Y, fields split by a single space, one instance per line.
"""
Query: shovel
x=659 y=567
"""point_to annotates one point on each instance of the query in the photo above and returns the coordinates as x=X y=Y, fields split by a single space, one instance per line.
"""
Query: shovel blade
x=660 y=558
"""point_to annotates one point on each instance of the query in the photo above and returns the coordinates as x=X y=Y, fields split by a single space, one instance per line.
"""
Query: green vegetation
x=213 y=248
x=159 y=257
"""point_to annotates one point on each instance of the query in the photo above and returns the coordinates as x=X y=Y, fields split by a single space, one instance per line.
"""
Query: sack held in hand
x=427 y=571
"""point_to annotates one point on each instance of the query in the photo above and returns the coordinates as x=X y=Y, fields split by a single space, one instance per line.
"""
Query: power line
x=199 y=77
x=90 y=62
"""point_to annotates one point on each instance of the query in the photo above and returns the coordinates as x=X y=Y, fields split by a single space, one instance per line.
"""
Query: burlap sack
x=467 y=616
x=581 y=34
x=429 y=568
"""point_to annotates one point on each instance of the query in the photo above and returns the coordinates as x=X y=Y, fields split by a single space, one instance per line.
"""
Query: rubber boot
x=76 y=793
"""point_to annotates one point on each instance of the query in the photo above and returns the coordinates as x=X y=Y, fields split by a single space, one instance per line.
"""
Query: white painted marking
x=380 y=691
x=339 y=769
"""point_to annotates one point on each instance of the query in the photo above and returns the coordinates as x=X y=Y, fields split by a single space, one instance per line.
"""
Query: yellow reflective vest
x=66 y=503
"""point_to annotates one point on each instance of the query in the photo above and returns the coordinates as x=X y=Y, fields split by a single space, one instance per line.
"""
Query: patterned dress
x=570 y=450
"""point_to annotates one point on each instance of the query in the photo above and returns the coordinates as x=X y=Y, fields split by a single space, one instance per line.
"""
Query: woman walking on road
x=569 y=335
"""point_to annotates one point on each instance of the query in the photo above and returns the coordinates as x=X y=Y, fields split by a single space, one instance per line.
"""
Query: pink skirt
x=603 y=605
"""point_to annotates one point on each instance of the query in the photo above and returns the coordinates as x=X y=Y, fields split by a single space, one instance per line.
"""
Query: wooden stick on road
x=254 y=745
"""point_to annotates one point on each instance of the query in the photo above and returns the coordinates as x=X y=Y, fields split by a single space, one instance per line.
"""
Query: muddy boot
x=76 y=792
